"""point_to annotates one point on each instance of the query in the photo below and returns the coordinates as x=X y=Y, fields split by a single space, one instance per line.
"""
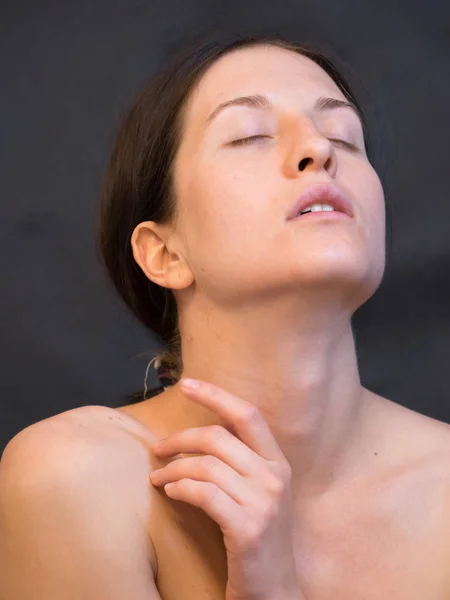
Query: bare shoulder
x=409 y=439
x=425 y=443
x=100 y=455
x=428 y=428
x=87 y=433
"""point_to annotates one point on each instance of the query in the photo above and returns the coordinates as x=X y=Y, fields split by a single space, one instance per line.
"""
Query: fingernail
x=193 y=384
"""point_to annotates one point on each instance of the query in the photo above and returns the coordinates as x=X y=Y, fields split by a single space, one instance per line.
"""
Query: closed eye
x=346 y=144
x=247 y=140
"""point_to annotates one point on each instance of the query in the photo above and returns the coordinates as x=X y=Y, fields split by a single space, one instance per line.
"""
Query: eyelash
x=245 y=141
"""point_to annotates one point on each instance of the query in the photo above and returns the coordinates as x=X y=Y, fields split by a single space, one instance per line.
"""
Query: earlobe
x=178 y=275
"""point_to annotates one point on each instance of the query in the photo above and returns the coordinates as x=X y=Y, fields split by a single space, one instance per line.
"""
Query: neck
x=302 y=375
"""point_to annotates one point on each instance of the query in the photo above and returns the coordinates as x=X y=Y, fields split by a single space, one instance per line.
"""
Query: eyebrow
x=262 y=102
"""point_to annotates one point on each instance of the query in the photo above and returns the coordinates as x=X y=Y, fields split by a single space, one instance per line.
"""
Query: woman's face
x=234 y=199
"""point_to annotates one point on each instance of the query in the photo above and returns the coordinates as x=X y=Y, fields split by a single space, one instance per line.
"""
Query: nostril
x=302 y=164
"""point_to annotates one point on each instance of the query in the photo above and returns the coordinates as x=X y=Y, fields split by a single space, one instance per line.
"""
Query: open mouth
x=323 y=199
x=321 y=210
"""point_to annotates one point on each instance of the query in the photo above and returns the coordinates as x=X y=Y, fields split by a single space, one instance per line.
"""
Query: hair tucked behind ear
x=138 y=182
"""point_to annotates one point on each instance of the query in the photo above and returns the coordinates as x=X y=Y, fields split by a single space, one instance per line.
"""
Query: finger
x=211 y=470
x=245 y=417
x=212 y=440
x=222 y=509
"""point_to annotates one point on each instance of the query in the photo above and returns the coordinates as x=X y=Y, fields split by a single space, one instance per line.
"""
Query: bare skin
x=265 y=304
x=381 y=532
x=265 y=309
x=265 y=312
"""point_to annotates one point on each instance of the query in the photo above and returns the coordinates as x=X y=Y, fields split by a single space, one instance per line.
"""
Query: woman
x=243 y=222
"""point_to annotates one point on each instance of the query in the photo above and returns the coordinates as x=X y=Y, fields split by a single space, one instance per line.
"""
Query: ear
x=163 y=265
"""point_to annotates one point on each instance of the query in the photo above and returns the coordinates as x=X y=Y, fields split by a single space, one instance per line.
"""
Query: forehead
x=286 y=77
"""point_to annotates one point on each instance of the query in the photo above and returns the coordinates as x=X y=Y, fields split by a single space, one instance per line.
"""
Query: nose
x=310 y=151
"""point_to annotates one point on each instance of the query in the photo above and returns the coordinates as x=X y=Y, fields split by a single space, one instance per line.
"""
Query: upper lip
x=325 y=193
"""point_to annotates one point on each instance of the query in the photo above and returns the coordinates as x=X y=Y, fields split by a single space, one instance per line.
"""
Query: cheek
x=368 y=193
x=374 y=218
x=218 y=219
x=227 y=198
x=377 y=208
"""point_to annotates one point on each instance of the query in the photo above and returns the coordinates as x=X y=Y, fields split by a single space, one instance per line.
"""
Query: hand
x=243 y=482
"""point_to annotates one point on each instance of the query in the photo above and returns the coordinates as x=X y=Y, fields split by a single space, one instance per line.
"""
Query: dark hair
x=138 y=182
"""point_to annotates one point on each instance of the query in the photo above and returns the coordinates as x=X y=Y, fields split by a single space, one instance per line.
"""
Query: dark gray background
x=67 y=69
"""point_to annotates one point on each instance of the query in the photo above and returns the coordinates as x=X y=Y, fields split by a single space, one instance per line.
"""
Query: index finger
x=245 y=417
